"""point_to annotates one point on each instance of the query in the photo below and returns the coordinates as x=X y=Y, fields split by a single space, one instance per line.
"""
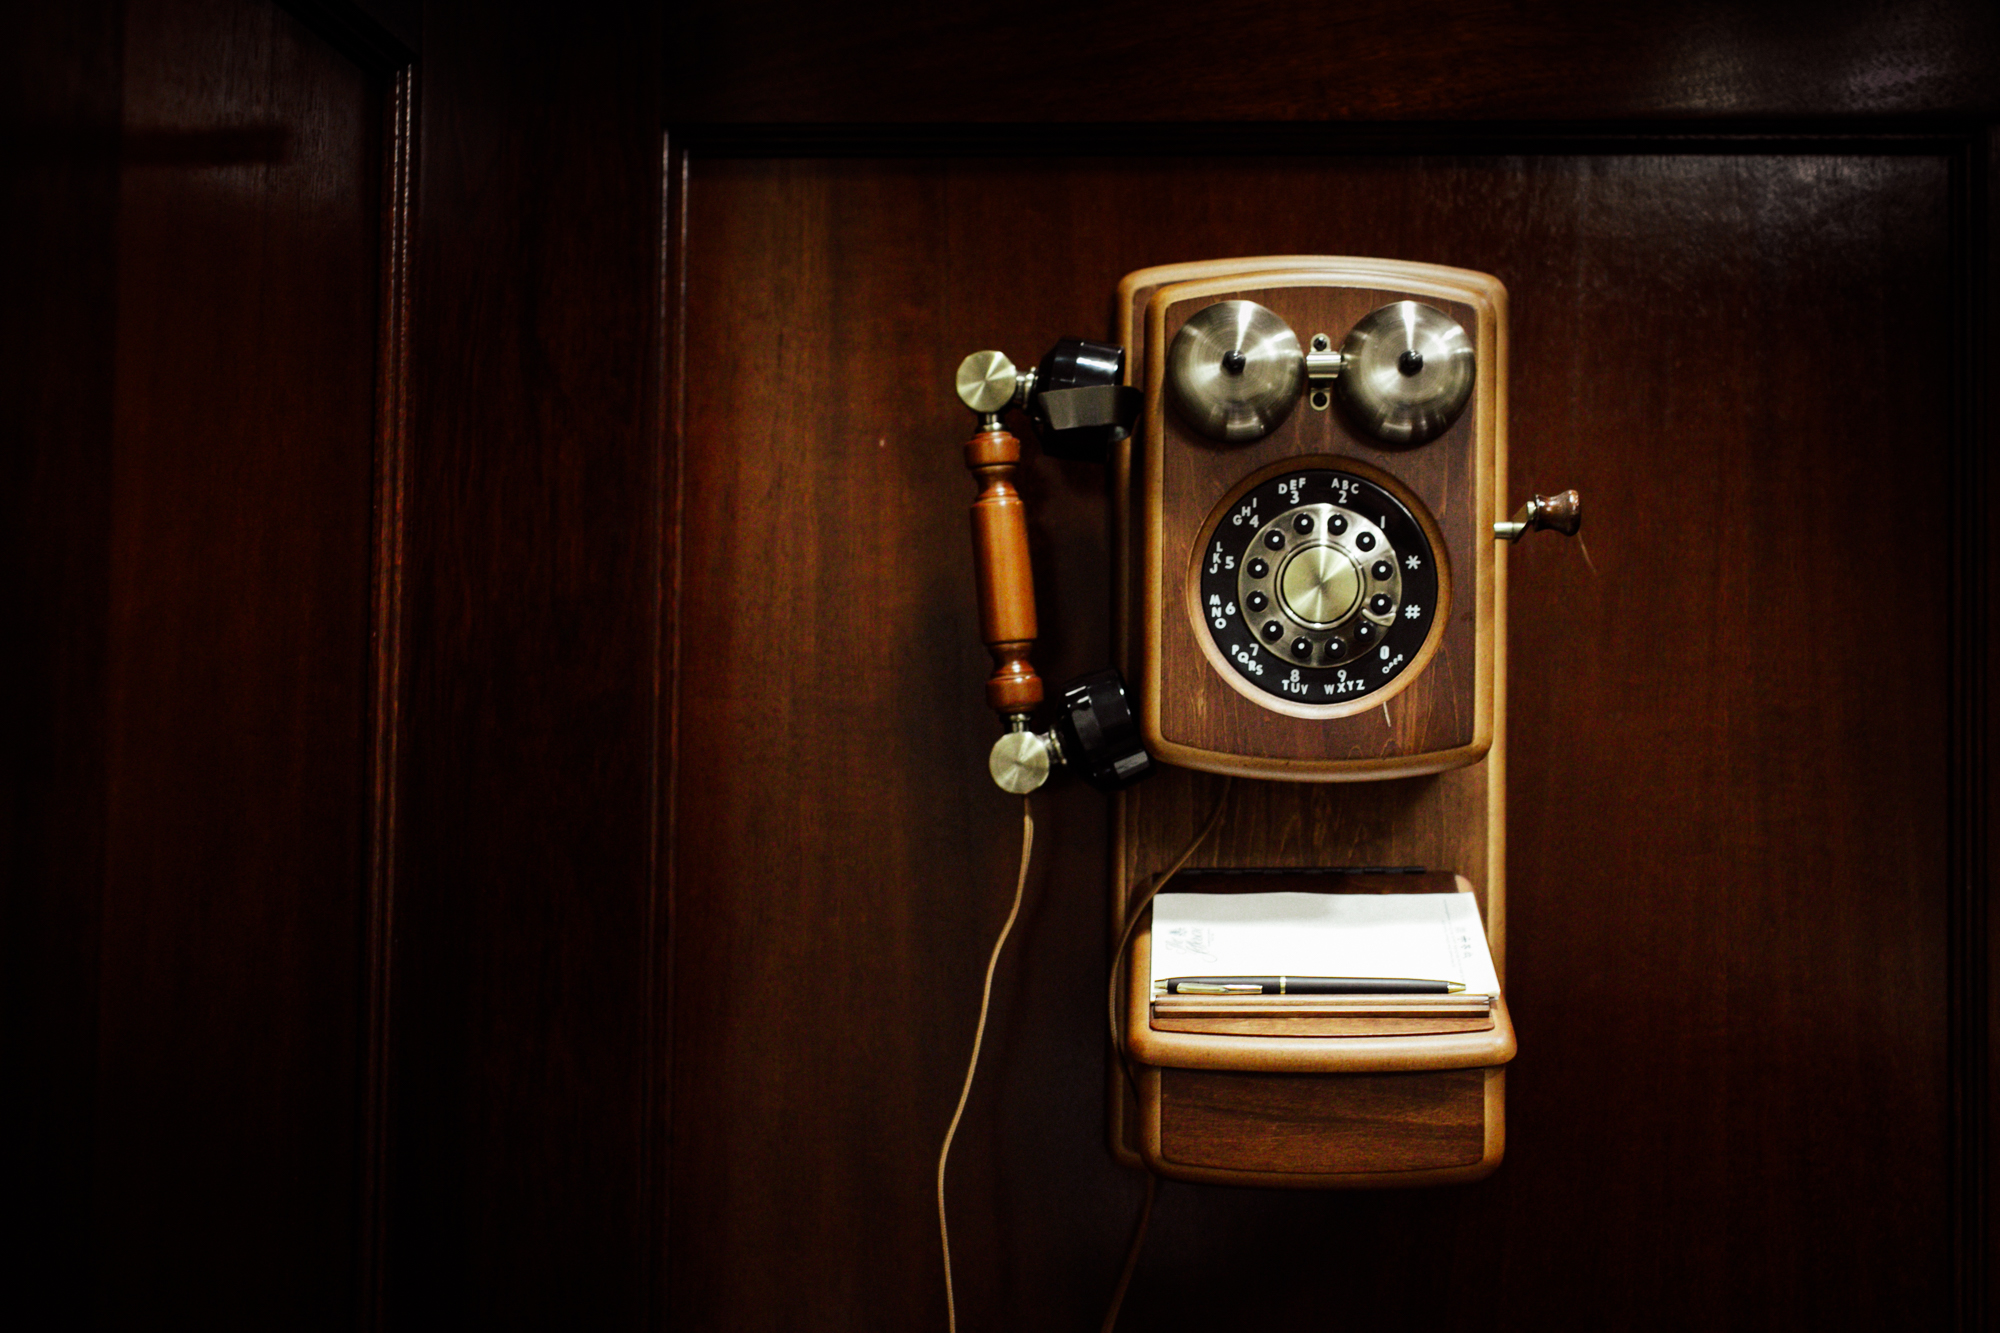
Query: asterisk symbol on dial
x=1413 y=562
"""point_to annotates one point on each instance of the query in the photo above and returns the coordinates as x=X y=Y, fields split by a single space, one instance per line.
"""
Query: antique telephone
x=1311 y=602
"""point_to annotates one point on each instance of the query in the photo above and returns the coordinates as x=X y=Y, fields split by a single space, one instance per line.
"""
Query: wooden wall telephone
x=1311 y=601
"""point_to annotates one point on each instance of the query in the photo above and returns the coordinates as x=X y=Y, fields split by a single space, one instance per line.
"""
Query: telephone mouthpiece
x=1100 y=733
x=1096 y=734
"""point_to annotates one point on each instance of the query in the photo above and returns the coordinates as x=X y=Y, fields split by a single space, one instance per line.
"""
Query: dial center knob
x=1320 y=585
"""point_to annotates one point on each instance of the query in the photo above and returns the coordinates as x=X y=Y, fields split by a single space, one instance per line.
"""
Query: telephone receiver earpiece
x=1074 y=396
x=1080 y=408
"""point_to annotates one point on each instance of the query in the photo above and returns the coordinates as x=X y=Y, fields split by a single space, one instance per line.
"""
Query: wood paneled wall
x=781 y=63
x=189 y=912
x=332 y=757
x=1730 y=804
x=495 y=823
x=524 y=1021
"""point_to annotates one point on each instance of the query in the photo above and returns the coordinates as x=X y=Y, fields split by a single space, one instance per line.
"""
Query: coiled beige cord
x=972 y=1066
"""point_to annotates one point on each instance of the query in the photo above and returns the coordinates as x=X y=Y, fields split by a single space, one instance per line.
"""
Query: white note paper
x=1425 y=936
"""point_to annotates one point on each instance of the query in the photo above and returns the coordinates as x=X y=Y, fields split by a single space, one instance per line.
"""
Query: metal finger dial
x=1318 y=586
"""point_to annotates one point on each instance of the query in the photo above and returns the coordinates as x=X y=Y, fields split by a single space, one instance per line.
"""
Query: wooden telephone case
x=1408 y=774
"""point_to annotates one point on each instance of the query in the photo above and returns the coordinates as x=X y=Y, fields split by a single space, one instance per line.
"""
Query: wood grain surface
x=1296 y=1025
x=231 y=1000
x=225 y=1114
x=1233 y=60
x=1727 y=807
x=1434 y=707
x=528 y=1021
x=726 y=693
x=1352 y=1122
x=58 y=342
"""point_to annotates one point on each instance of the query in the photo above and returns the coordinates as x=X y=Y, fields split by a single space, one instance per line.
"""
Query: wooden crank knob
x=1561 y=512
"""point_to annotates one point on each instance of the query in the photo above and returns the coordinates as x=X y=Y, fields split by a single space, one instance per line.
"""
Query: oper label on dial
x=1318 y=586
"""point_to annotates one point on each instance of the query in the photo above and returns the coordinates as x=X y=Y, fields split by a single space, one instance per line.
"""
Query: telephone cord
x=1132 y=915
x=972 y=1066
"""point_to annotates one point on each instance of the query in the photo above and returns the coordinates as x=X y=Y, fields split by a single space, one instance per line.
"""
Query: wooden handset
x=1079 y=406
x=1006 y=581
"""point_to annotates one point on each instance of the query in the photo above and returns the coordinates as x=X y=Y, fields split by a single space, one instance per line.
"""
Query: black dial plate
x=1318 y=586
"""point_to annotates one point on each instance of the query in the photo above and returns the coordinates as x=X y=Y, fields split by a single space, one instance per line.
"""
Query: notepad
x=1431 y=936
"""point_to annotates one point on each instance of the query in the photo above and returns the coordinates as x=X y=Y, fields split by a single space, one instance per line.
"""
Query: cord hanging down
x=1132 y=914
x=972 y=1065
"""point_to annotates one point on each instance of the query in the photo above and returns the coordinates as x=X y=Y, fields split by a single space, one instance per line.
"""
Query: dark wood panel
x=781 y=61
x=230 y=1007
x=1728 y=869
x=832 y=735
x=1976 y=999
x=1765 y=796
x=57 y=339
x=1353 y=1122
x=523 y=1055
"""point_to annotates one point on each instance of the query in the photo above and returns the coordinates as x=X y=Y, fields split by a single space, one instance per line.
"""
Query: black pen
x=1309 y=986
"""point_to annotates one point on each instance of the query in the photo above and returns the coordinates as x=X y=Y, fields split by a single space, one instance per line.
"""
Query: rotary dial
x=1318 y=586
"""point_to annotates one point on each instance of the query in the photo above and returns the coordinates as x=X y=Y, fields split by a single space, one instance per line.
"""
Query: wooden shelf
x=1314 y=1044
